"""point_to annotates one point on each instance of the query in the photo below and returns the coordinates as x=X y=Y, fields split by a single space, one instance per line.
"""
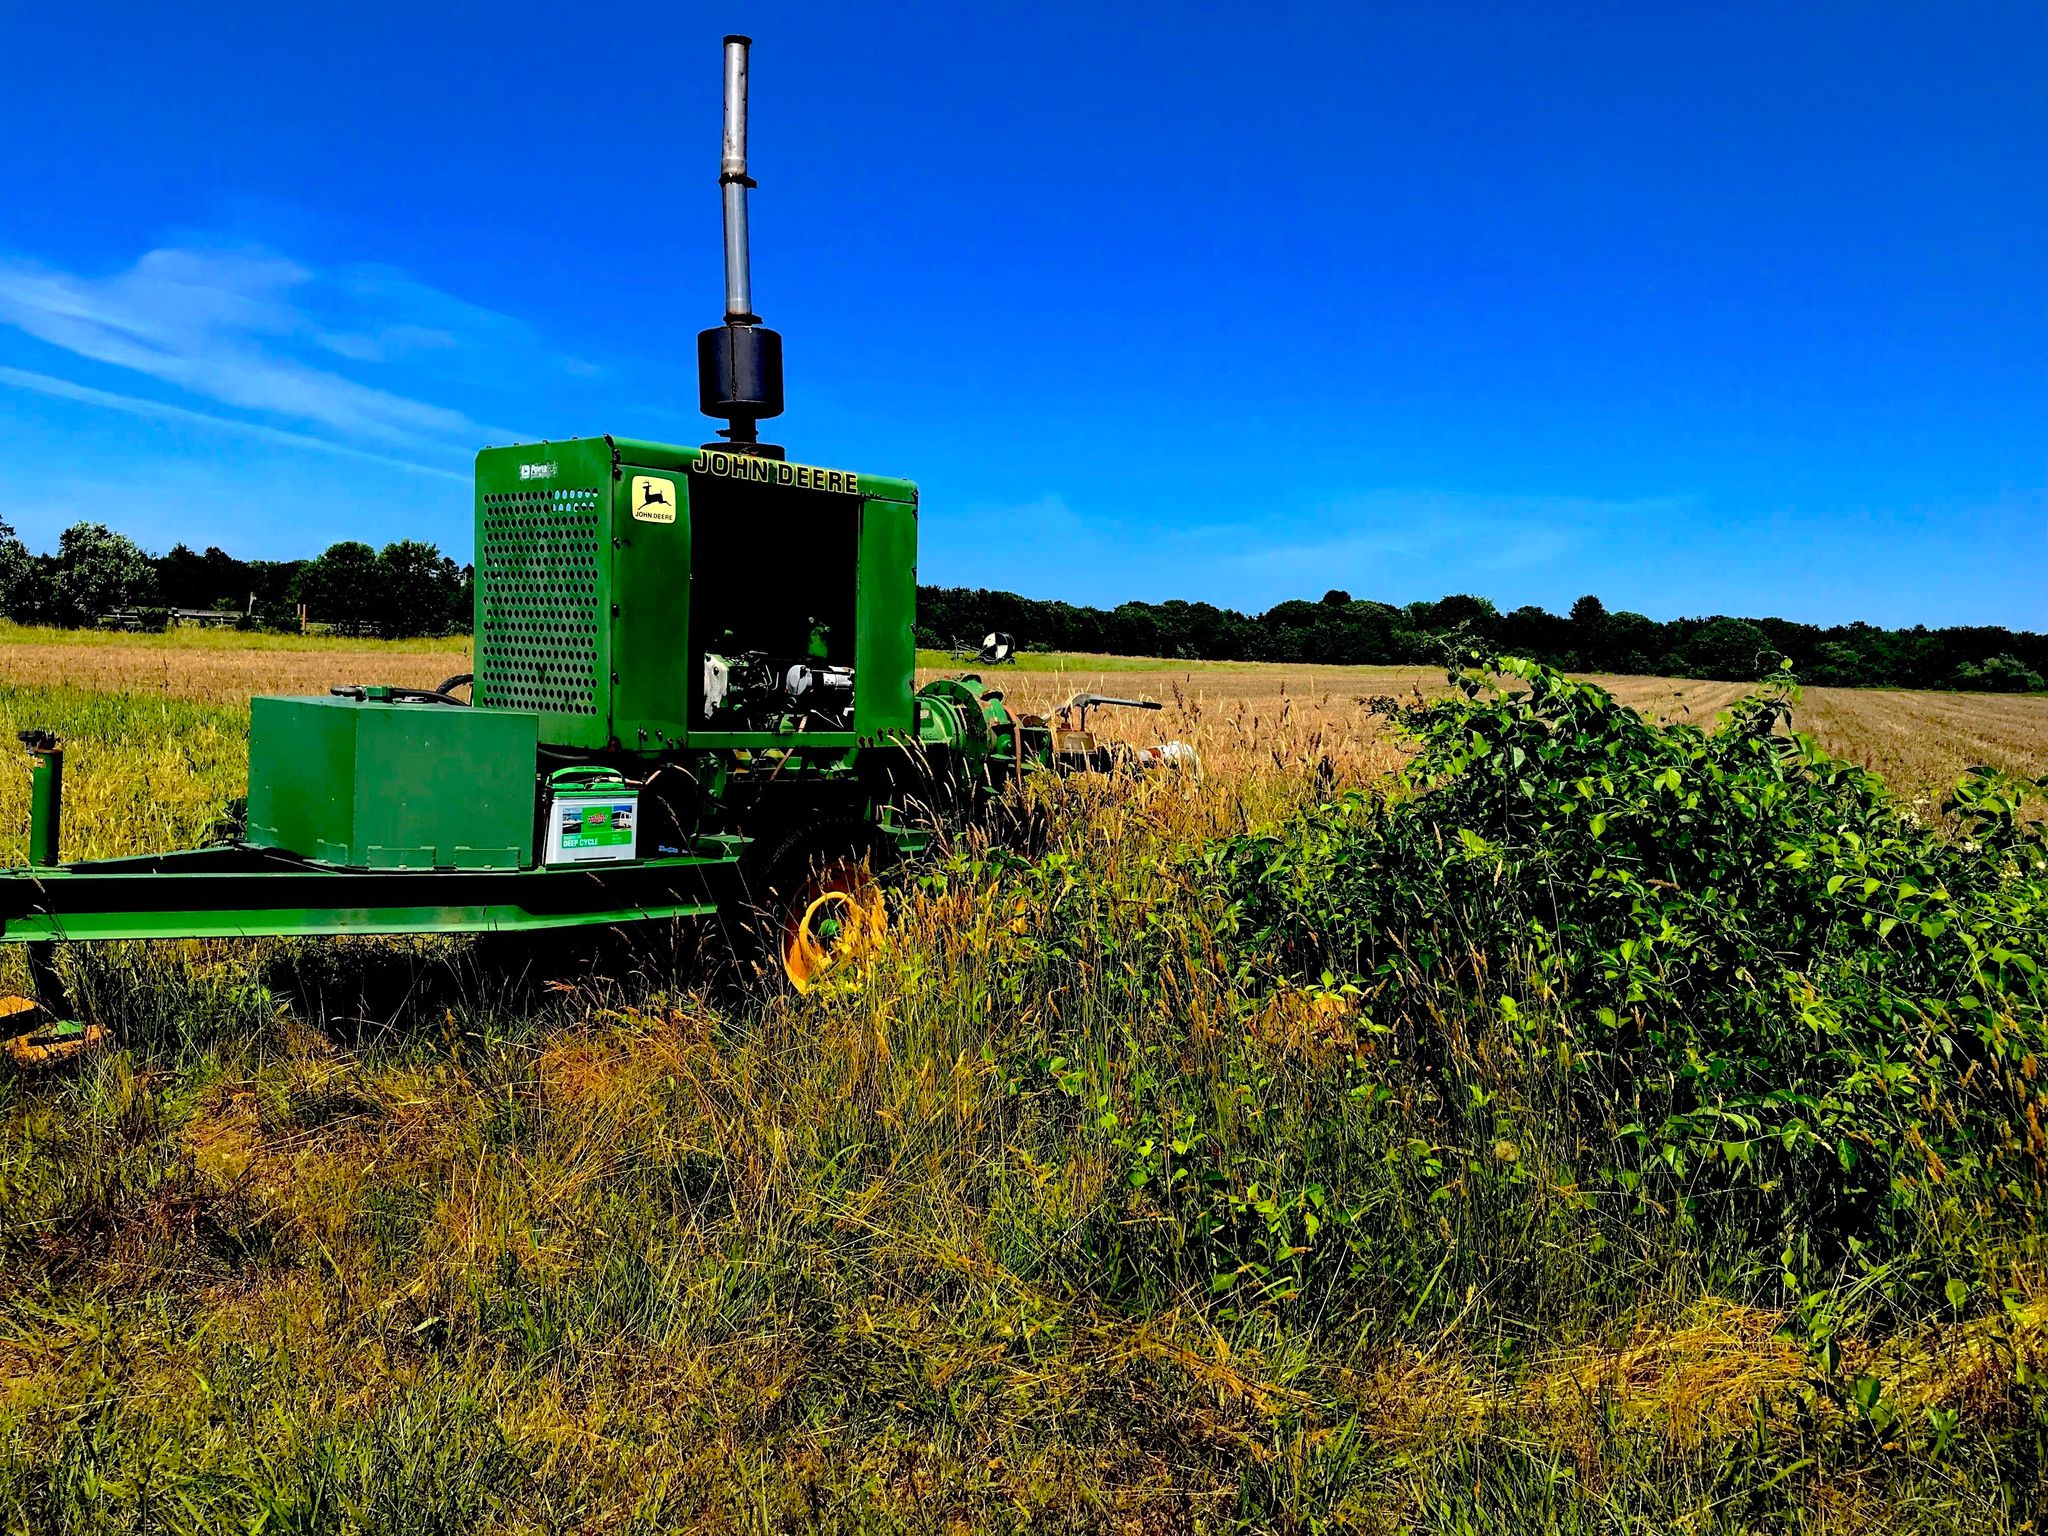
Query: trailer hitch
x=1074 y=713
x=1076 y=746
x=41 y=1031
x=45 y=795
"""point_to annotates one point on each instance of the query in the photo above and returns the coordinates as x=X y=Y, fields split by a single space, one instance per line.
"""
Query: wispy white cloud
x=1491 y=533
x=256 y=332
x=159 y=410
x=1382 y=542
x=994 y=536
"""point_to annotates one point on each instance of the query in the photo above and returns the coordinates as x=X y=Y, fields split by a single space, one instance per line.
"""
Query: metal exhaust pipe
x=739 y=363
x=733 y=182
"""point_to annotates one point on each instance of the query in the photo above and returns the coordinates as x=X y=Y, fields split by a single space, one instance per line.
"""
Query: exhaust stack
x=733 y=182
x=739 y=363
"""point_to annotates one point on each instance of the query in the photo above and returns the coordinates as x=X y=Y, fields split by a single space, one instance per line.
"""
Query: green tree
x=1729 y=650
x=215 y=579
x=1997 y=674
x=340 y=587
x=1589 y=632
x=1632 y=643
x=1838 y=665
x=22 y=589
x=1533 y=631
x=1471 y=619
x=417 y=589
x=98 y=571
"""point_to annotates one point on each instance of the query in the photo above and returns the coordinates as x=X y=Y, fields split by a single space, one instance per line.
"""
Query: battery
x=592 y=817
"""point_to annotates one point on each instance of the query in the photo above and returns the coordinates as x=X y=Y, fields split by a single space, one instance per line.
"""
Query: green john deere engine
x=643 y=598
x=636 y=604
x=693 y=694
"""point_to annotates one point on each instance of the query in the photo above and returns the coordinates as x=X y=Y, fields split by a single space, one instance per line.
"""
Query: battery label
x=597 y=826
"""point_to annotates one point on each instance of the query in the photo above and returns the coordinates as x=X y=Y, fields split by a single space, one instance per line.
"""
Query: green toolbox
x=369 y=784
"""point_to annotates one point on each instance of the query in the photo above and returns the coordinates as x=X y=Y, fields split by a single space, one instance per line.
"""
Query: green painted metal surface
x=262 y=922
x=606 y=569
x=543 y=586
x=231 y=892
x=392 y=786
x=887 y=669
x=650 y=609
x=686 y=460
x=46 y=804
x=965 y=717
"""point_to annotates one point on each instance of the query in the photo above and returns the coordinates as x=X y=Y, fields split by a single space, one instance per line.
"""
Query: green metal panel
x=327 y=922
x=393 y=786
x=717 y=462
x=45 y=799
x=582 y=607
x=302 y=778
x=650 y=596
x=238 y=892
x=885 y=671
x=543 y=586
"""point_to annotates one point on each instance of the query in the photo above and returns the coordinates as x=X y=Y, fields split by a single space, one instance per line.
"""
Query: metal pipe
x=46 y=797
x=734 y=181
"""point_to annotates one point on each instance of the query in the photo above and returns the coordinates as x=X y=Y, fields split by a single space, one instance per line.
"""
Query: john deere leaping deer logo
x=654 y=499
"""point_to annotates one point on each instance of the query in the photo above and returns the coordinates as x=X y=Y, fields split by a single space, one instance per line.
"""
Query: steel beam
x=240 y=892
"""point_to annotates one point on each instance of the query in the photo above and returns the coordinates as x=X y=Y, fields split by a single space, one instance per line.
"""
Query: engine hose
x=427 y=696
x=408 y=695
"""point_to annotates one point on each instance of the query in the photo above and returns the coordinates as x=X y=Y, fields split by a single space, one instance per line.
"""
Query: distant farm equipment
x=995 y=650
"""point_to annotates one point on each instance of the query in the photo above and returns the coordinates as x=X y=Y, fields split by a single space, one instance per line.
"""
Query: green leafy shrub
x=1787 y=1009
x=1997 y=674
x=1732 y=649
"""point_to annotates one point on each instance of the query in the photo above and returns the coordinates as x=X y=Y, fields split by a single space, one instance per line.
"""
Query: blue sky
x=1706 y=309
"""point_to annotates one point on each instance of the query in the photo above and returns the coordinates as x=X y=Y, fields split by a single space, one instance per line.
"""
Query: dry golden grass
x=1919 y=742
x=1236 y=715
x=219 y=673
x=630 y=1264
x=1921 y=739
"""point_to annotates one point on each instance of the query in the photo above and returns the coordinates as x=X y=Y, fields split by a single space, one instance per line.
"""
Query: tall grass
x=1068 y=1212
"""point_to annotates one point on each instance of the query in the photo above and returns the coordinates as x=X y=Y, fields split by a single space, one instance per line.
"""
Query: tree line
x=1341 y=630
x=411 y=588
x=96 y=575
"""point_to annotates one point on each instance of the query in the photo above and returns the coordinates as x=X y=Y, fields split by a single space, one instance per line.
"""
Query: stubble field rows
x=1919 y=742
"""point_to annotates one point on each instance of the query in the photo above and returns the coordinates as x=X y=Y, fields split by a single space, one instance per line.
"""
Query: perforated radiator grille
x=537 y=577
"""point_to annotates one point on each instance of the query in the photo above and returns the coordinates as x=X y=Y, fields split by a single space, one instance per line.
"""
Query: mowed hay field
x=1919 y=742
x=218 y=666
x=1094 y=1202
